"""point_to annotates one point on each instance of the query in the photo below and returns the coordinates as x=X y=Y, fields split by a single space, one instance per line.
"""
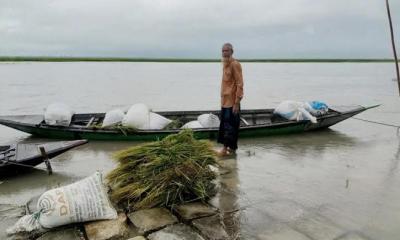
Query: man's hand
x=235 y=108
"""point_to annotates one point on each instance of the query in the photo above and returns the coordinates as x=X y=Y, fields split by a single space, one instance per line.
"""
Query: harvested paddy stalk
x=170 y=171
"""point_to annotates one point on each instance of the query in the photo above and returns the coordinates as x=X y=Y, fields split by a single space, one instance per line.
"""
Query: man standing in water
x=231 y=95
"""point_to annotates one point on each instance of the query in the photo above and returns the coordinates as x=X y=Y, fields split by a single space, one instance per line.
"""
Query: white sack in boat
x=157 y=121
x=85 y=200
x=208 y=120
x=192 y=124
x=113 y=117
x=138 y=116
x=293 y=110
x=58 y=114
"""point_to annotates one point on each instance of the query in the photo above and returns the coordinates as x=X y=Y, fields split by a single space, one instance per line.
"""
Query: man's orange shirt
x=232 y=84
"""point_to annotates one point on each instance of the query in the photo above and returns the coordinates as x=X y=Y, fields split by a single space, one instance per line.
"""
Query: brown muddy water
x=339 y=183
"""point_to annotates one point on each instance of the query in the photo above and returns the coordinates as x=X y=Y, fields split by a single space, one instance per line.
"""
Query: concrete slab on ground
x=195 y=210
x=152 y=219
x=175 y=232
x=63 y=234
x=211 y=227
x=107 y=229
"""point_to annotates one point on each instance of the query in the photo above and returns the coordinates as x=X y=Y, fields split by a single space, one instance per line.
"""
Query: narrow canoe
x=22 y=156
x=256 y=122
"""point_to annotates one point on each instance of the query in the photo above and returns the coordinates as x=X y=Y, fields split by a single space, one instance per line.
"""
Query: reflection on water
x=311 y=186
x=33 y=179
x=227 y=199
x=384 y=196
x=301 y=144
x=393 y=169
x=19 y=189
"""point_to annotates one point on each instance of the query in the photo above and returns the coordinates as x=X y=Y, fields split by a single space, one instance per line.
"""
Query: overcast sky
x=198 y=28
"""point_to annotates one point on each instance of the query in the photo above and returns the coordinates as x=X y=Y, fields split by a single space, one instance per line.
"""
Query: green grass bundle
x=170 y=171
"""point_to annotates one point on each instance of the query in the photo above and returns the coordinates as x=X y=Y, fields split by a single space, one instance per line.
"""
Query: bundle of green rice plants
x=170 y=171
x=116 y=126
x=174 y=124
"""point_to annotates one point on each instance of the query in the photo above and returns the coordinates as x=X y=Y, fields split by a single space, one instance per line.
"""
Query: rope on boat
x=380 y=123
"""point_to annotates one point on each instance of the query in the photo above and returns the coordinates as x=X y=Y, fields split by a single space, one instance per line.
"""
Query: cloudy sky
x=197 y=28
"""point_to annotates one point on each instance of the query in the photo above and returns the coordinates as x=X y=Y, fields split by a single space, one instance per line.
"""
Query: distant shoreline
x=182 y=60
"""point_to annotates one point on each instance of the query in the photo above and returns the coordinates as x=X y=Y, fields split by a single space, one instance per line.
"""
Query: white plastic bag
x=305 y=115
x=208 y=120
x=288 y=109
x=85 y=200
x=157 y=121
x=138 y=116
x=192 y=124
x=112 y=117
x=58 y=114
x=292 y=110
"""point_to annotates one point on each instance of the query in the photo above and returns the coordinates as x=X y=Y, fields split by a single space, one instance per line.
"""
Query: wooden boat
x=256 y=122
x=22 y=156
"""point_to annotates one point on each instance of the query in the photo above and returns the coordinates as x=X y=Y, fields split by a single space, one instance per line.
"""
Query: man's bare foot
x=230 y=152
x=222 y=152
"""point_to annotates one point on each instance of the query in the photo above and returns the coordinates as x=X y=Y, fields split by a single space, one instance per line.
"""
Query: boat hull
x=285 y=127
x=26 y=156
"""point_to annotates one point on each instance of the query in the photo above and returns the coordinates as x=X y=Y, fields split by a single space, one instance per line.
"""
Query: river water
x=332 y=184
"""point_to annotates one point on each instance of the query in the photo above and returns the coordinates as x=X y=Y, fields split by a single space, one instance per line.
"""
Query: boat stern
x=22 y=119
x=24 y=123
